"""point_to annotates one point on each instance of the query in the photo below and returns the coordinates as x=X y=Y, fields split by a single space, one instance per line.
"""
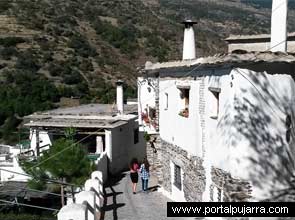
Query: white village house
x=226 y=123
x=99 y=128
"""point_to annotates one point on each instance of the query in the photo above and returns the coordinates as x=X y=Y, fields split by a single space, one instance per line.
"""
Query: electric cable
x=54 y=155
x=27 y=205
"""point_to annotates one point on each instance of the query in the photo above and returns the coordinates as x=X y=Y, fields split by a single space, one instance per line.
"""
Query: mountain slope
x=52 y=48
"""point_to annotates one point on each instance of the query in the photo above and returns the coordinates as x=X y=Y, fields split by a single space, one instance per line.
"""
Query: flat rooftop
x=236 y=57
x=255 y=38
x=84 y=116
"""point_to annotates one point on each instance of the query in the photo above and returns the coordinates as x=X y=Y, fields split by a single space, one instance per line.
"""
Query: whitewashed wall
x=146 y=98
x=122 y=148
x=102 y=165
x=44 y=139
x=88 y=202
x=263 y=46
x=14 y=167
x=175 y=129
x=250 y=138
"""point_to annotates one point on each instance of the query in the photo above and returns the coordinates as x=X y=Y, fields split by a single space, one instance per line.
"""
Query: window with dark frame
x=136 y=135
x=177 y=176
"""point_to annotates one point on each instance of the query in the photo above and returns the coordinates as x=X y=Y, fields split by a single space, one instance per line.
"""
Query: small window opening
x=177 y=176
x=214 y=106
x=166 y=101
x=184 y=95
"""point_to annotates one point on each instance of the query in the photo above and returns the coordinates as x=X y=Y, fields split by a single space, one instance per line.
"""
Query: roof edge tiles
x=222 y=59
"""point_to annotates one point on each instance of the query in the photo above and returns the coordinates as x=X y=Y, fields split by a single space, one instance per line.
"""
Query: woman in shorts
x=134 y=166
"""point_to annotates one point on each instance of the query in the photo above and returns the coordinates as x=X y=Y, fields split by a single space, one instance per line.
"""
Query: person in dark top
x=134 y=166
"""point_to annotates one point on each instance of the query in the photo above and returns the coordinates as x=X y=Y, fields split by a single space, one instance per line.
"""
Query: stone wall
x=157 y=91
x=194 y=173
x=153 y=155
x=230 y=189
x=202 y=103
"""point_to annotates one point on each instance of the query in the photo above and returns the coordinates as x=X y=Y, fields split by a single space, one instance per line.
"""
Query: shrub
x=11 y=41
x=146 y=136
x=81 y=46
x=8 y=52
x=55 y=69
x=86 y=65
x=27 y=61
x=72 y=79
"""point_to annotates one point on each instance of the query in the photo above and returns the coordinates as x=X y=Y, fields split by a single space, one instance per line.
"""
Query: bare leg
x=134 y=187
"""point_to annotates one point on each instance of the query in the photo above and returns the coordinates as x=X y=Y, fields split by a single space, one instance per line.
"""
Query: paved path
x=122 y=204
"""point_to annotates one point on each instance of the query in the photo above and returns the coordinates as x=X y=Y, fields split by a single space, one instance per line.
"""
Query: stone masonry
x=193 y=171
x=153 y=155
x=202 y=112
x=232 y=189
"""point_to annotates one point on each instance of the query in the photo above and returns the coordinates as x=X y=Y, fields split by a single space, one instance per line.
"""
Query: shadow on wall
x=263 y=121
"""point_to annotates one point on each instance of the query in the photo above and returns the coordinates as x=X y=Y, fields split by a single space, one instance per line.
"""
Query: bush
x=146 y=136
x=86 y=65
x=123 y=38
x=72 y=79
x=4 y=6
x=11 y=41
x=8 y=52
x=81 y=46
x=27 y=61
x=55 y=69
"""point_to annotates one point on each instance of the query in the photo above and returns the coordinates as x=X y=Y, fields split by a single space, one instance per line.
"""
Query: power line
x=46 y=179
x=252 y=84
x=27 y=205
x=33 y=190
x=56 y=154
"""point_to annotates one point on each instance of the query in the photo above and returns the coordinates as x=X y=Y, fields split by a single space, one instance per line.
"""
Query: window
x=166 y=101
x=177 y=176
x=214 y=102
x=184 y=95
x=136 y=135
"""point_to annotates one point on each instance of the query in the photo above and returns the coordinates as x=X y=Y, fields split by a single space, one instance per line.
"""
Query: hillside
x=51 y=48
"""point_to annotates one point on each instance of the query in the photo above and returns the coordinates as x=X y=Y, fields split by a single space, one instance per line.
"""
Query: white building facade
x=97 y=127
x=226 y=125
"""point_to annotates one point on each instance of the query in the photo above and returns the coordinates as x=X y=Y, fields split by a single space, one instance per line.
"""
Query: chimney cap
x=119 y=82
x=189 y=22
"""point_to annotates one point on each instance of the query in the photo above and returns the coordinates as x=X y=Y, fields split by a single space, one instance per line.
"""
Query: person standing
x=145 y=173
x=134 y=165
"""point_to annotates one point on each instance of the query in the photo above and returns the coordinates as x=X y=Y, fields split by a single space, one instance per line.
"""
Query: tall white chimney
x=189 y=47
x=279 y=25
x=120 y=99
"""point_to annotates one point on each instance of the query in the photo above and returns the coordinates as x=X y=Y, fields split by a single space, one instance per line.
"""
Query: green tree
x=65 y=161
